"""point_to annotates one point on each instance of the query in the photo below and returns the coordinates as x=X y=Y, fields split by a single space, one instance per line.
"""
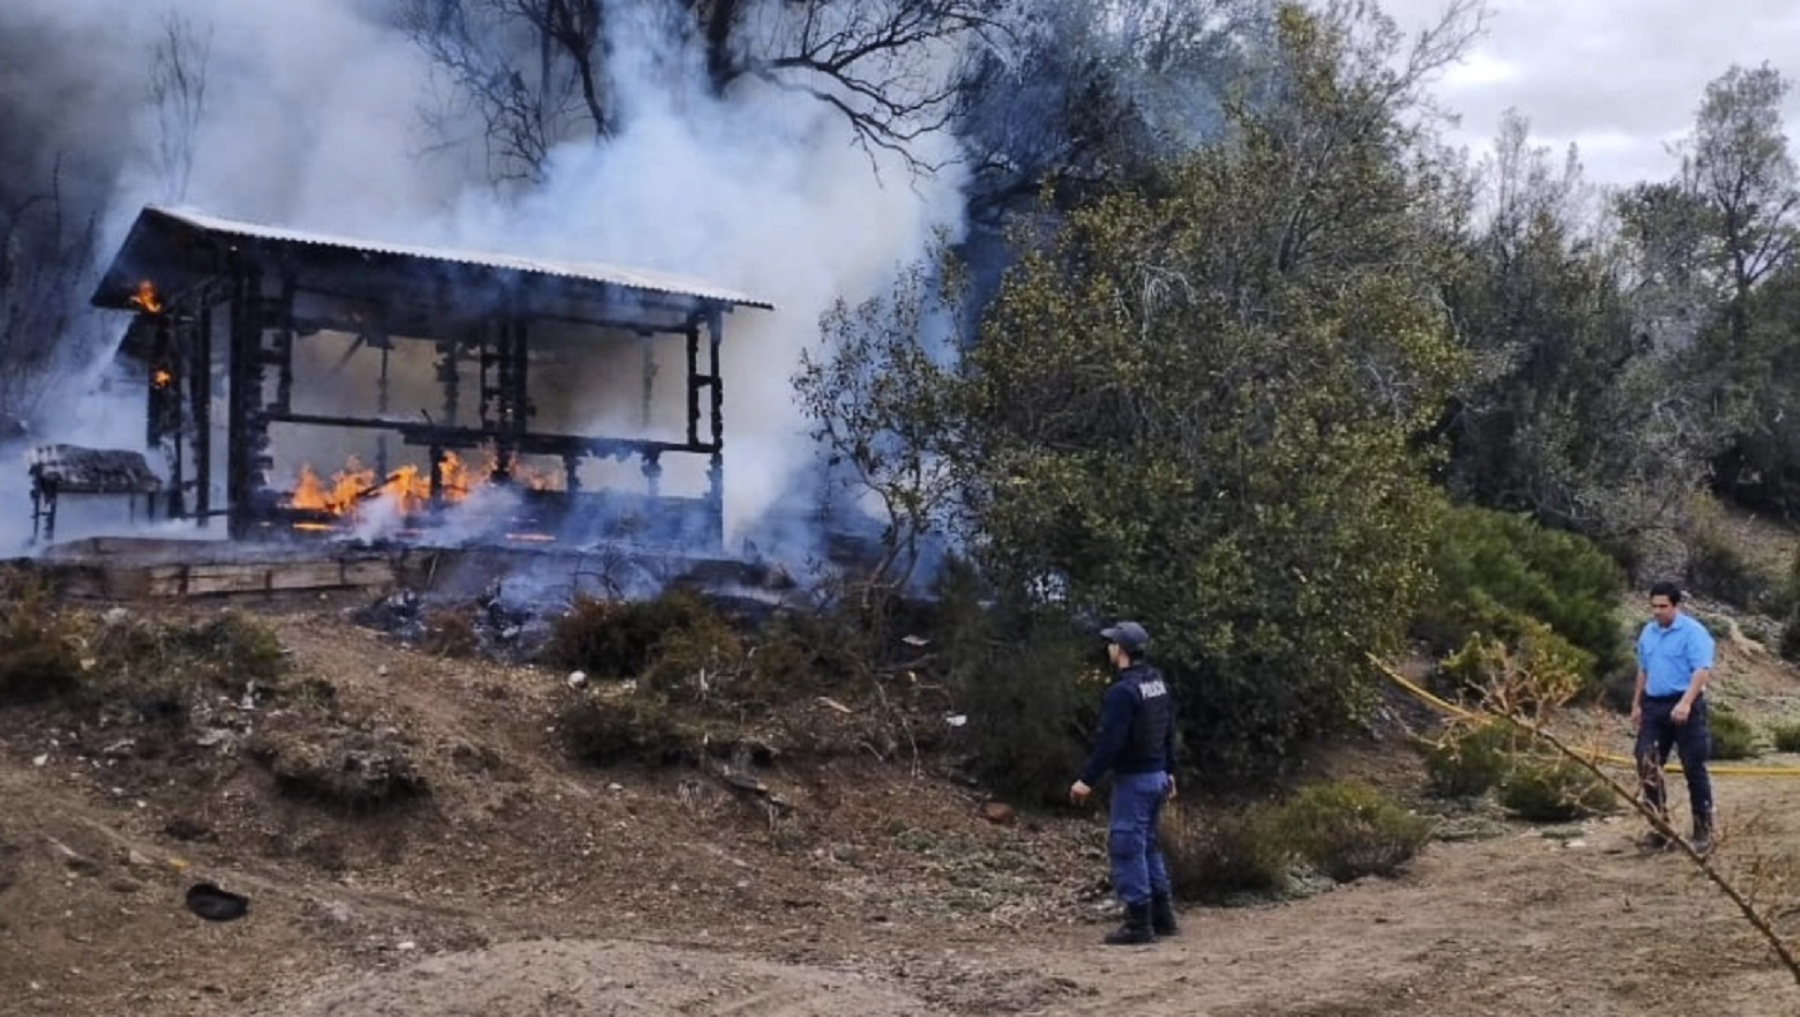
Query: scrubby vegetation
x=1215 y=854
x=124 y=668
x=1526 y=779
x=1343 y=830
x=1501 y=577
x=1348 y=830
x=1786 y=736
x=38 y=657
x=1554 y=791
x=1733 y=737
x=1472 y=761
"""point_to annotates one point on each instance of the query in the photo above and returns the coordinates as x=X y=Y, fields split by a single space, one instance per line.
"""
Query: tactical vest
x=1154 y=716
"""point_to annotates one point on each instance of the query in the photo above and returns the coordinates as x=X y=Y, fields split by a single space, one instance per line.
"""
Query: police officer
x=1137 y=743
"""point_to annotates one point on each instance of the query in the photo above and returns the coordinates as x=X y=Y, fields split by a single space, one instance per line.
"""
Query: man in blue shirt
x=1668 y=708
x=1136 y=743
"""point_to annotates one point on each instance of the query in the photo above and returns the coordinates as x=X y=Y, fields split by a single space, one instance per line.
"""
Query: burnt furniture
x=113 y=474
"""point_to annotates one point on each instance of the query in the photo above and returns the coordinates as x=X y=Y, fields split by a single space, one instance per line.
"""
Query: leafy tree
x=882 y=399
x=1742 y=204
x=1199 y=405
x=1573 y=412
x=1737 y=164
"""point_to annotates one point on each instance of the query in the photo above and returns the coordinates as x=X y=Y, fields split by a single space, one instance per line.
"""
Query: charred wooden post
x=200 y=374
x=247 y=427
x=715 y=472
x=382 y=388
x=448 y=376
x=435 y=455
x=693 y=381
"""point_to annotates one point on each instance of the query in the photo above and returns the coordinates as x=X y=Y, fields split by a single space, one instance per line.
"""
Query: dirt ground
x=527 y=885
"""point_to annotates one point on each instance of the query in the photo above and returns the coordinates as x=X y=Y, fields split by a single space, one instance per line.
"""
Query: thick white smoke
x=312 y=121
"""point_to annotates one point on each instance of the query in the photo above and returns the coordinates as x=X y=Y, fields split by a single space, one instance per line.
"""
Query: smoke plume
x=312 y=120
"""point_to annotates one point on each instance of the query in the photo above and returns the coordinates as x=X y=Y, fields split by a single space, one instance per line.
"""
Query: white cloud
x=1618 y=77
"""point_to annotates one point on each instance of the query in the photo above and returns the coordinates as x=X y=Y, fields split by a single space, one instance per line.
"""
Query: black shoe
x=1653 y=841
x=1701 y=841
x=1136 y=931
x=1162 y=915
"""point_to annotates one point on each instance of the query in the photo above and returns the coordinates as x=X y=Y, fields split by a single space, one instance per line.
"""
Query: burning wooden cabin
x=297 y=381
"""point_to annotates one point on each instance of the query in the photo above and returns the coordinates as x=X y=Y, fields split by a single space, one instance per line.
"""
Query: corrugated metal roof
x=630 y=278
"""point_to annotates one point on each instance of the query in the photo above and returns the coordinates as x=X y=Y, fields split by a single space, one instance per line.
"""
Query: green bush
x=234 y=647
x=629 y=727
x=1786 y=736
x=1214 y=855
x=38 y=662
x=1732 y=736
x=617 y=639
x=1028 y=680
x=1554 y=791
x=1348 y=830
x=1471 y=761
x=1789 y=646
x=1717 y=565
x=1496 y=570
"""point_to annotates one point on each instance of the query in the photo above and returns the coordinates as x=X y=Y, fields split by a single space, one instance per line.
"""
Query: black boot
x=1702 y=842
x=1162 y=915
x=1136 y=930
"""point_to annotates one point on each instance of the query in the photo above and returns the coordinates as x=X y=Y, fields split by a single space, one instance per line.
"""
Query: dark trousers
x=1137 y=861
x=1692 y=741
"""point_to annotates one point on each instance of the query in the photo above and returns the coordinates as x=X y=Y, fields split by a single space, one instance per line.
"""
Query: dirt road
x=528 y=886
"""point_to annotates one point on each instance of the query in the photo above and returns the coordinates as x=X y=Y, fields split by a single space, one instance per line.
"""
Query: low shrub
x=1786 y=736
x=1213 y=855
x=38 y=659
x=699 y=661
x=1555 y=791
x=1537 y=669
x=350 y=770
x=1348 y=830
x=232 y=646
x=450 y=633
x=618 y=638
x=1472 y=760
x=1732 y=736
x=1789 y=644
x=608 y=730
x=1030 y=682
x=1717 y=565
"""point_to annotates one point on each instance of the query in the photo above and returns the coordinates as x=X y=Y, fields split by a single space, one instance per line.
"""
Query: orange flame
x=409 y=485
x=146 y=298
x=162 y=378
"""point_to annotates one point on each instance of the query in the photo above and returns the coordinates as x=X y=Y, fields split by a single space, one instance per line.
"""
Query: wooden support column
x=200 y=392
x=693 y=382
x=715 y=473
x=249 y=427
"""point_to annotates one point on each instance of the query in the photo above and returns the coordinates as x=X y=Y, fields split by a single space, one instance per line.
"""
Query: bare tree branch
x=178 y=69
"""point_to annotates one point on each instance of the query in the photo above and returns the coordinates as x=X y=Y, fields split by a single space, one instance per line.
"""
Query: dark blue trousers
x=1692 y=741
x=1137 y=862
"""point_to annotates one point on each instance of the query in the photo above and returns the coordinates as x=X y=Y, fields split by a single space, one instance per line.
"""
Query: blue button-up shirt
x=1669 y=657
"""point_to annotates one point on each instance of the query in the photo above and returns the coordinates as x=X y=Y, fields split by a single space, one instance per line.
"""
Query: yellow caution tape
x=1463 y=713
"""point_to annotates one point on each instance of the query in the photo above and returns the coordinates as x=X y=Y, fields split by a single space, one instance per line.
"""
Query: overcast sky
x=1618 y=77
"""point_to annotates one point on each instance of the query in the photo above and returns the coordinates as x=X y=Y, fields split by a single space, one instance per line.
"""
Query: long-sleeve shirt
x=1137 y=726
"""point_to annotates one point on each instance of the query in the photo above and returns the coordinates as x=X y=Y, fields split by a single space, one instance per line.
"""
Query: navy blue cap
x=1128 y=634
